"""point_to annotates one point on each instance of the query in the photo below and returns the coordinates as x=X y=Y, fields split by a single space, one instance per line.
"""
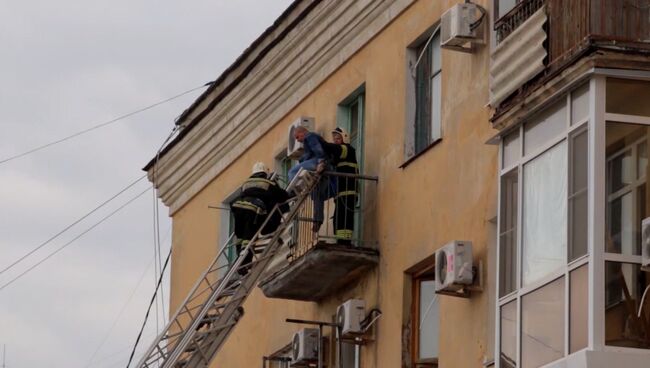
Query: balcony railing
x=356 y=210
x=516 y=17
x=320 y=260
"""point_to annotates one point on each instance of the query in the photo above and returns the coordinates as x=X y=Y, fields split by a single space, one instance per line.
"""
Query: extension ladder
x=212 y=308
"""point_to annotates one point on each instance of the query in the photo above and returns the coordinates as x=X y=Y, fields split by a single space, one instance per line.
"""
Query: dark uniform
x=344 y=159
x=258 y=197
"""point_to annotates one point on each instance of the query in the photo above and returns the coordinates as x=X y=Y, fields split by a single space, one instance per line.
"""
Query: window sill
x=425 y=363
x=422 y=152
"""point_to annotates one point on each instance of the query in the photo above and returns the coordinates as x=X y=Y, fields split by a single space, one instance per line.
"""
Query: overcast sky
x=65 y=66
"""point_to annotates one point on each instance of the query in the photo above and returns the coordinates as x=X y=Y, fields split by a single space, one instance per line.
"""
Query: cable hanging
x=38 y=148
x=74 y=239
x=71 y=225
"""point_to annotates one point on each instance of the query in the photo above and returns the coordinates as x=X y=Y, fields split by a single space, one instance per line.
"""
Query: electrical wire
x=119 y=315
x=71 y=225
x=156 y=223
x=122 y=117
x=74 y=239
x=146 y=316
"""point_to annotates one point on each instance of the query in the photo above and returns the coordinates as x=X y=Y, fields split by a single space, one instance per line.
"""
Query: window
x=425 y=95
x=627 y=314
x=424 y=317
x=542 y=269
x=351 y=117
x=542 y=315
x=349 y=356
x=282 y=166
x=227 y=228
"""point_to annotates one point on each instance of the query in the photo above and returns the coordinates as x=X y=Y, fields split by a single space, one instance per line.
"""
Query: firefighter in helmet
x=344 y=159
x=259 y=195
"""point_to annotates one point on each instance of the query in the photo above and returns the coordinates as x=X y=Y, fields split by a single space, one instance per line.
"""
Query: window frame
x=411 y=147
x=596 y=257
x=355 y=100
x=569 y=131
x=426 y=273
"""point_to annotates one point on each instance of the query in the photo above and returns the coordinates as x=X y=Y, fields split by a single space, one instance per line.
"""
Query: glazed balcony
x=317 y=264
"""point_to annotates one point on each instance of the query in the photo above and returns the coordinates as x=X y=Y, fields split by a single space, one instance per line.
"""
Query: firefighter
x=258 y=197
x=344 y=159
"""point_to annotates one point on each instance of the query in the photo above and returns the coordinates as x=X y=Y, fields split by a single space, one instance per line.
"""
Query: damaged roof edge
x=239 y=78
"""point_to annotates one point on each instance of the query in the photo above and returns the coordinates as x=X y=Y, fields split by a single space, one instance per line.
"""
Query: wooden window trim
x=425 y=274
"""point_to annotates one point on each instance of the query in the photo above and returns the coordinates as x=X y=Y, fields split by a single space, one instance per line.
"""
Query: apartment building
x=519 y=127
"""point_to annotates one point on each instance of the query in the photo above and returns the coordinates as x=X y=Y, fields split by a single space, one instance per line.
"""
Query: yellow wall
x=447 y=193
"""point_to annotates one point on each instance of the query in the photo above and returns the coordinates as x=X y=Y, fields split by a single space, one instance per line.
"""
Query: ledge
x=323 y=270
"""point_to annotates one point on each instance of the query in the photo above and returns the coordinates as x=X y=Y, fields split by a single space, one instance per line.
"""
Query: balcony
x=538 y=39
x=317 y=264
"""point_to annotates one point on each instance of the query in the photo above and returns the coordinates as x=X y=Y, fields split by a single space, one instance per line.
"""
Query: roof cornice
x=320 y=43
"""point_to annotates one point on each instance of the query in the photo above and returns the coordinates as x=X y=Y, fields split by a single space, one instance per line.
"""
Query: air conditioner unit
x=454 y=266
x=456 y=25
x=349 y=316
x=645 y=244
x=295 y=148
x=304 y=347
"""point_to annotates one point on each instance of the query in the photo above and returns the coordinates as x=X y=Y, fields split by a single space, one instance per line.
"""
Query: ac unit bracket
x=476 y=286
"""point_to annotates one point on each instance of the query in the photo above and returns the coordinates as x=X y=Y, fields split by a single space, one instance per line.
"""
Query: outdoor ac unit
x=456 y=25
x=304 y=347
x=454 y=266
x=349 y=316
x=295 y=148
x=645 y=244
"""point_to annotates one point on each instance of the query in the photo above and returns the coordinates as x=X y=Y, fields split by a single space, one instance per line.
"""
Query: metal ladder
x=214 y=305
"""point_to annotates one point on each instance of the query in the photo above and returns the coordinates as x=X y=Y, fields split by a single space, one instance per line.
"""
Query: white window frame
x=562 y=272
x=596 y=256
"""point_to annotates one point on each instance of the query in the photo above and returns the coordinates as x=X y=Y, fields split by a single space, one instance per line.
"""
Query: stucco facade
x=448 y=192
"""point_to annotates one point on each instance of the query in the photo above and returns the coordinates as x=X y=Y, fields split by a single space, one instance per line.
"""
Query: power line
x=38 y=148
x=146 y=316
x=71 y=225
x=74 y=239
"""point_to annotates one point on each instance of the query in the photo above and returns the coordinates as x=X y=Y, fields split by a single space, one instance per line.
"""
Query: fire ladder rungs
x=212 y=308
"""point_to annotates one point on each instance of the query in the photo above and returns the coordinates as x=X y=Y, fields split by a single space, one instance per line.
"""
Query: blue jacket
x=313 y=147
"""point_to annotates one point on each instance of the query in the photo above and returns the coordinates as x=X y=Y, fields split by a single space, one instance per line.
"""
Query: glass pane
x=423 y=100
x=579 y=162
x=580 y=104
x=508 y=234
x=436 y=97
x=642 y=164
x=436 y=63
x=578 y=317
x=547 y=125
x=545 y=214
x=626 y=204
x=621 y=171
x=579 y=235
x=429 y=320
x=627 y=96
x=511 y=149
x=542 y=327
x=348 y=355
x=578 y=205
x=625 y=284
x=509 y=334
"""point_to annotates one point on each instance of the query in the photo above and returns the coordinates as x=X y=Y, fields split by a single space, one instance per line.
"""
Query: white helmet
x=260 y=167
x=343 y=133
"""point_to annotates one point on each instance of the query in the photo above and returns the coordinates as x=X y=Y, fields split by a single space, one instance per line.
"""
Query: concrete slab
x=321 y=271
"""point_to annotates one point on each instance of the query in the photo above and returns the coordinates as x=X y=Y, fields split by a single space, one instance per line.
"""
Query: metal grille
x=304 y=236
x=505 y=25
